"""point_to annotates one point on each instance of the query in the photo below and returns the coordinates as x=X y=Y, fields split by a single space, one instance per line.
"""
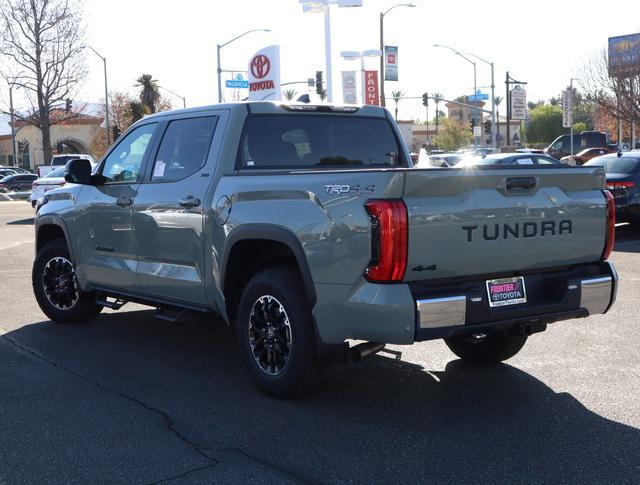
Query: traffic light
x=425 y=100
x=319 y=83
x=473 y=123
x=487 y=127
x=67 y=105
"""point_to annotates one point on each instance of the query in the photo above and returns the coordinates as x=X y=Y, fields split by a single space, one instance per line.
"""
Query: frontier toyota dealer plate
x=506 y=291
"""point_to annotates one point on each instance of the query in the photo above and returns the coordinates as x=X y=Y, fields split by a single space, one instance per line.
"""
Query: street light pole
x=219 y=47
x=383 y=102
x=184 y=100
x=106 y=93
x=493 y=100
x=13 y=129
x=475 y=85
x=327 y=52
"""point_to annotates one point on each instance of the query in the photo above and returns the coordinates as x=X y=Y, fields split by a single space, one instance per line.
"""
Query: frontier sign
x=371 y=88
x=264 y=75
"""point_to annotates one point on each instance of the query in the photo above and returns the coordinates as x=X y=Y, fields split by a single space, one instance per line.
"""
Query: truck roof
x=270 y=107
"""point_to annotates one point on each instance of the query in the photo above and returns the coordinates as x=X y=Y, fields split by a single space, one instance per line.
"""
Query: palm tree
x=437 y=98
x=149 y=91
x=397 y=96
x=498 y=100
x=289 y=94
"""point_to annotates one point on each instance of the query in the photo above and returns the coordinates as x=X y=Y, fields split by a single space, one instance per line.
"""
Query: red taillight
x=389 y=235
x=610 y=236
x=620 y=185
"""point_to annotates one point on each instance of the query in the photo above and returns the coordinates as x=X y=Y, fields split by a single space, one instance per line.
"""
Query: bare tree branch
x=42 y=44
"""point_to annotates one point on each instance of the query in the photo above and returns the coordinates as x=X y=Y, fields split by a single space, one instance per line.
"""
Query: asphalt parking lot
x=130 y=399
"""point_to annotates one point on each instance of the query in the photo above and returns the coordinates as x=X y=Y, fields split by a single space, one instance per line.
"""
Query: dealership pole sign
x=349 y=95
x=371 y=88
x=624 y=55
x=264 y=75
x=518 y=103
x=390 y=63
x=567 y=109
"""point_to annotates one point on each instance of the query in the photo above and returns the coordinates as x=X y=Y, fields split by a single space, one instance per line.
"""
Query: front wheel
x=486 y=349
x=275 y=332
x=56 y=288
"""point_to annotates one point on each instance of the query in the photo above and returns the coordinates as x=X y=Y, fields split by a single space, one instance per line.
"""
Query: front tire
x=491 y=349
x=275 y=332
x=56 y=288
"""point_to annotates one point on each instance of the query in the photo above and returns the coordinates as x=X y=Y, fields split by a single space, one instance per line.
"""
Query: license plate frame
x=506 y=291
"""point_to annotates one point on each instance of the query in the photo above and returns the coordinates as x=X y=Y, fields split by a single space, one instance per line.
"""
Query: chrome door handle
x=124 y=201
x=189 y=201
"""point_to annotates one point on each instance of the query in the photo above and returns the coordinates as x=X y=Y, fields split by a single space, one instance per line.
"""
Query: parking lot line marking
x=17 y=244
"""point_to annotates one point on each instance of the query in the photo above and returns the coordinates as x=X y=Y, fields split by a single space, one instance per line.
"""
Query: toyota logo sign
x=260 y=66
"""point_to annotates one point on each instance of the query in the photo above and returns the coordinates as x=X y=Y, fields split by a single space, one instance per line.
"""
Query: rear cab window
x=304 y=141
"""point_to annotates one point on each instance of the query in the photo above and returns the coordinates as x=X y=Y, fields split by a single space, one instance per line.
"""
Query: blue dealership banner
x=390 y=63
x=624 y=55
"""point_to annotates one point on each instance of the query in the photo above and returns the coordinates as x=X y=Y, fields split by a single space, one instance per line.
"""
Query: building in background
x=73 y=135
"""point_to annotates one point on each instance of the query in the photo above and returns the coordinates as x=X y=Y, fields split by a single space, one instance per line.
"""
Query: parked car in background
x=623 y=181
x=17 y=183
x=5 y=172
x=441 y=160
x=61 y=161
x=561 y=146
x=510 y=159
x=15 y=169
x=39 y=187
x=529 y=150
x=584 y=156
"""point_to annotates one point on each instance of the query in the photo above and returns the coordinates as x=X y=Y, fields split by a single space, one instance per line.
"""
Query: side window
x=523 y=161
x=124 y=163
x=544 y=161
x=184 y=148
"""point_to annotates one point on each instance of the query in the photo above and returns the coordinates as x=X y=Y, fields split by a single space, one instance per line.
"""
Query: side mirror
x=78 y=171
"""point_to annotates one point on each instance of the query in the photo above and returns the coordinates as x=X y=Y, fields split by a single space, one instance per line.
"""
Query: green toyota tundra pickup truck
x=306 y=228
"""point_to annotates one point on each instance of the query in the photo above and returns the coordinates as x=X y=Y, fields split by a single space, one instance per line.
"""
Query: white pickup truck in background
x=61 y=160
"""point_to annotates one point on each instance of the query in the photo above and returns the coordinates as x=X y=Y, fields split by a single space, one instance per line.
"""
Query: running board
x=171 y=314
x=114 y=303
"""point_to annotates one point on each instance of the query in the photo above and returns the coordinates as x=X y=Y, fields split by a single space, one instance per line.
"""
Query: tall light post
x=220 y=46
x=184 y=100
x=468 y=60
x=355 y=55
x=493 y=100
x=382 y=15
x=13 y=128
x=106 y=93
x=322 y=6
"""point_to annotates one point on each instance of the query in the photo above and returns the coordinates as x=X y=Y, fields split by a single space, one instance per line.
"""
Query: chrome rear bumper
x=596 y=295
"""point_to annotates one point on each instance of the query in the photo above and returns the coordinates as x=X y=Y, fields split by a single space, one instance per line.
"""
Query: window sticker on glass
x=158 y=170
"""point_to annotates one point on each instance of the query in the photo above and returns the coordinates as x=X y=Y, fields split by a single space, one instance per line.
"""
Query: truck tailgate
x=485 y=221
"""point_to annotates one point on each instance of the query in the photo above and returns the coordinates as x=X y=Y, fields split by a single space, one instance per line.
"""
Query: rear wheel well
x=48 y=233
x=248 y=257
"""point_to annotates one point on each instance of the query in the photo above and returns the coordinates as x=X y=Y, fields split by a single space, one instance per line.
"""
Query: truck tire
x=56 y=289
x=489 y=350
x=275 y=332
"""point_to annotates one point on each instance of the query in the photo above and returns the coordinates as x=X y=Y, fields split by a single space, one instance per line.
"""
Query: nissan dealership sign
x=264 y=75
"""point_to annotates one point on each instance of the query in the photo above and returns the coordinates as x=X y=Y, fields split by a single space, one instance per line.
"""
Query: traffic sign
x=477 y=131
x=478 y=97
x=237 y=84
